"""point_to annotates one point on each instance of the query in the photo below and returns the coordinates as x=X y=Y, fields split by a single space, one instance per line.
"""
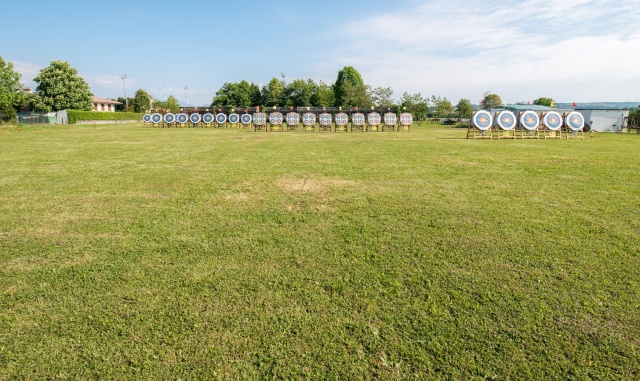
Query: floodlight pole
x=186 y=100
x=126 y=101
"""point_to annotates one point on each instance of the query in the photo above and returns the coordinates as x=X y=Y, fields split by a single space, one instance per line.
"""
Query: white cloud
x=567 y=49
x=28 y=71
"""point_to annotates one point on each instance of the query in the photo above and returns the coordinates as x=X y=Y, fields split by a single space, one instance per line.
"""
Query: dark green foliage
x=11 y=92
x=549 y=102
x=240 y=94
x=141 y=102
x=465 y=109
x=75 y=115
x=349 y=81
x=490 y=101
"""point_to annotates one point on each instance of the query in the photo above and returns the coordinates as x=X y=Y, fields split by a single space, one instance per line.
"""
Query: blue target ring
x=182 y=118
x=146 y=118
x=195 y=118
x=575 y=121
x=245 y=118
x=357 y=119
x=390 y=119
x=482 y=120
x=309 y=119
x=552 y=121
x=275 y=118
x=293 y=118
x=507 y=120
x=259 y=119
x=169 y=118
x=374 y=119
x=233 y=118
x=530 y=120
x=156 y=118
x=406 y=119
x=221 y=118
x=207 y=118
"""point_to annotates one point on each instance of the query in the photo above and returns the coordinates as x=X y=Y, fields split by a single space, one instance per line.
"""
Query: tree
x=123 y=103
x=243 y=94
x=61 y=88
x=299 y=92
x=173 y=104
x=348 y=75
x=356 y=95
x=490 y=101
x=141 y=101
x=441 y=106
x=549 y=102
x=464 y=107
x=323 y=95
x=272 y=93
x=11 y=92
x=382 y=96
x=415 y=104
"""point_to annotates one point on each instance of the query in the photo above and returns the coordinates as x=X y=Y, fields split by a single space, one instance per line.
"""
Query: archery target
x=293 y=118
x=169 y=118
x=275 y=118
x=221 y=118
x=373 y=119
x=552 y=121
x=233 y=118
x=259 y=119
x=530 y=120
x=182 y=118
x=309 y=119
x=482 y=120
x=156 y=118
x=342 y=119
x=506 y=120
x=390 y=119
x=357 y=119
x=146 y=118
x=325 y=119
x=207 y=118
x=195 y=118
x=245 y=118
x=406 y=119
x=575 y=121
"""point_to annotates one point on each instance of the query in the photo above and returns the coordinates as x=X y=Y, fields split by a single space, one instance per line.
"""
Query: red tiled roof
x=105 y=101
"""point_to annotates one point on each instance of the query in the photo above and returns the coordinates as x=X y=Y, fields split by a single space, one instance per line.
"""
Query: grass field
x=128 y=252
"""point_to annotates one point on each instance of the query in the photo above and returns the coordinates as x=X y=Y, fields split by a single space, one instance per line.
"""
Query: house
x=101 y=104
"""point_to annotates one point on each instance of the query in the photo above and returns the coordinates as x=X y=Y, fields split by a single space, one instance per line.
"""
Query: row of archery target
x=276 y=118
x=529 y=120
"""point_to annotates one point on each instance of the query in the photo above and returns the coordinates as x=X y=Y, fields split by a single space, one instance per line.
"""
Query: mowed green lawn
x=131 y=252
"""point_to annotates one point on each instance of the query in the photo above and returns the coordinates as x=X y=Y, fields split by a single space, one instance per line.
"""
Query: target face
x=325 y=119
x=390 y=119
x=195 y=118
x=575 y=121
x=156 y=118
x=275 y=118
x=357 y=119
x=552 y=121
x=406 y=119
x=245 y=118
x=342 y=119
x=293 y=118
x=207 y=118
x=182 y=118
x=259 y=119
x=482 y=120
x=309 y=119
x=530 y=120
x=146 y=118
x=374 y=119
x=233 y=118
x=169 y=118
x=506 y=120
x=221 y=118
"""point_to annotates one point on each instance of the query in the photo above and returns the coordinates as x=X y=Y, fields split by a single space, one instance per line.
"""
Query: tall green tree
x=348 y=76
x=323 y=95
x=141 y=101
x=61 y=88
x=441 y=106
x=464 y=107
x=272 y=93
x=173 y=104
x=543 y=101
x=382 y=96
x=11 y=91
x=356 y=95
x=299 y=92
x=490 y=101
x=241 y=94
x=415 y=104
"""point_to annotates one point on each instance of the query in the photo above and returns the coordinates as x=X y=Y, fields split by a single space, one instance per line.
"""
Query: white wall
x=604 y=120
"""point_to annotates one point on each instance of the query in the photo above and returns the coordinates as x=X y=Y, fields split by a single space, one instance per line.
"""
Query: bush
x=75 y=115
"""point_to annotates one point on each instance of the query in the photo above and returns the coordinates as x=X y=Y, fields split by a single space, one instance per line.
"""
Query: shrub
x=75 y=115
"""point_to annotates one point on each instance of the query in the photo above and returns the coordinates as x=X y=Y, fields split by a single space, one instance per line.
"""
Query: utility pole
x=124 y=84
x=186 y=100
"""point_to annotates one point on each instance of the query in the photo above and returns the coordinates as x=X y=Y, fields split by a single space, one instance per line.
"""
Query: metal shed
x=603 y=120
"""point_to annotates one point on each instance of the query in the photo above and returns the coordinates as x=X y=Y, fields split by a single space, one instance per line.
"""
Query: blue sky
x=569 y=50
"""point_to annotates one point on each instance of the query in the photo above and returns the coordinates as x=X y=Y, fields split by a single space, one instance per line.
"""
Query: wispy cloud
x=567 y=49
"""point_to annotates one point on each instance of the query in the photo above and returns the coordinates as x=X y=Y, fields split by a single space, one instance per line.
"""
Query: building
x=603 y=119
x=101 y=104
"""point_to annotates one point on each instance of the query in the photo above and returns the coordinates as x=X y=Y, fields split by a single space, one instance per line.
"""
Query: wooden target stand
x=325 y=121
x=390 y=122
x=292 y=120
x=571 y=133
x=276 y=121
x=373 y=122
x=501 y=131
x=480 y=132
x=526 y=133
x=406 y=120
x=341 y=121
x=549 y=132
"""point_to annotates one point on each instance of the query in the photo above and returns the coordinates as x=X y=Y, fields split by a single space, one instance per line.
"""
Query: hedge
x=75 y=115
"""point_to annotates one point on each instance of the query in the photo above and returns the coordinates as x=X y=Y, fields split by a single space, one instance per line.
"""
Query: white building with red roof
x=101 y=104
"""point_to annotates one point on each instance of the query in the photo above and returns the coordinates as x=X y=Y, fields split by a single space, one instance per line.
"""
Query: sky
x=568 y=50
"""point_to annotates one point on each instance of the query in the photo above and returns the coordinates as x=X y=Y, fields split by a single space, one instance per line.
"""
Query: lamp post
x=186 y=100
x=124 y=84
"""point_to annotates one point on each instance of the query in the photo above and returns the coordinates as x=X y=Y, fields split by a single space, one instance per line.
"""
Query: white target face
x=182 y=118
x=575 y=121
x=207 y=118
x=342 y=119
x=357 y=119
x=374 y=119
x=156 y=118
x=406 y=119
x=552 y=121
x=146 y=118
x=169 y=118
x=390 y=119
x=195 y=118
x=530 y=120
x=325 y=119
x=482 y=120
x=506 y=120
x=293 y=118
x=233 y=118
x=221 y=118
x=275 y=118
x=309 y=119
x=259 y=119
x=245 y=118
